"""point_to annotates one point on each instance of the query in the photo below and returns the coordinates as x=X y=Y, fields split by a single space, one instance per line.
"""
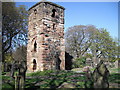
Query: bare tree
x=78 y=39
x=81 y=40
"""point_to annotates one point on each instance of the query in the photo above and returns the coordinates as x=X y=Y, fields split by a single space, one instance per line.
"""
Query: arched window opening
x=35 y=46
x=35 y=11
x=53 y=12
x=34 y=65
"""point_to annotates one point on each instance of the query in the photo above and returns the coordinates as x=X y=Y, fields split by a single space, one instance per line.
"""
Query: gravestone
x=89 y=62
x=116 y=64
x=67 y=85
x=100 y=76
x=89 y=79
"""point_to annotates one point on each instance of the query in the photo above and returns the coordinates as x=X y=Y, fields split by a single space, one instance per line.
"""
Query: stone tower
x=45 y=49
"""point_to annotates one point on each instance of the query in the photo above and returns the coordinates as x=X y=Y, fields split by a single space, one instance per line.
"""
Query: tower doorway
x=34 y=65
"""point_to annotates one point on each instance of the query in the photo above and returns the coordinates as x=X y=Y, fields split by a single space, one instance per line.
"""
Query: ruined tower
x=45 y=49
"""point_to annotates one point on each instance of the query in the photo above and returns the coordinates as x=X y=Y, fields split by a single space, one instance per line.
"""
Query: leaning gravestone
x=22 y=73
x=100 y=76
x=20 y=76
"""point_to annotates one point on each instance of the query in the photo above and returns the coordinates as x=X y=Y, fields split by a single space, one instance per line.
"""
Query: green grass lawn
x=114 y=70
x=7 y=82
x=50 y=79
x=53 y=79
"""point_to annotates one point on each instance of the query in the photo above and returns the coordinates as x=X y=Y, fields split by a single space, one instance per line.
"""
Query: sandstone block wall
x=45 y=36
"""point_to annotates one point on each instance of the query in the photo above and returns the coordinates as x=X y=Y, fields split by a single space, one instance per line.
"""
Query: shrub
x=79 y=62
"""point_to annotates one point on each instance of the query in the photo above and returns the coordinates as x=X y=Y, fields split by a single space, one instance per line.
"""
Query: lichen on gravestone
x=100 y=76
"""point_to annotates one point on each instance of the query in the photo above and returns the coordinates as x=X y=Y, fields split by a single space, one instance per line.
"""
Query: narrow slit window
x=53 y=12
x=35 y=46
x=53 y=26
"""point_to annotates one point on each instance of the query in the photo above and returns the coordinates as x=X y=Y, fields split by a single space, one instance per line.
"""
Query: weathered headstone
x=116 y=64
x=22 y=73
x=89 y=62
x=100 y=76
x=86 y=69
x=89 y=79
x=67 y=85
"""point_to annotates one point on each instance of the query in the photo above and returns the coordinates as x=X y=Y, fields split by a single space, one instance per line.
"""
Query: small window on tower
x=53 y=12
x=53 y=26
x=35 y=11
x=35 y=46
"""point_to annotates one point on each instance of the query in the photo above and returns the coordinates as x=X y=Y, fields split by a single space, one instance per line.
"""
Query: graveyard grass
x=53 y=79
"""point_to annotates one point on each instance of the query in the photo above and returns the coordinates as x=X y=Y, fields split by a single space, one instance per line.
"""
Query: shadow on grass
x=50 y=79
x=114 y=78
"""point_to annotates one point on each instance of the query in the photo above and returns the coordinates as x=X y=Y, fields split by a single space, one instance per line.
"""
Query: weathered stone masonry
x=45 y=28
